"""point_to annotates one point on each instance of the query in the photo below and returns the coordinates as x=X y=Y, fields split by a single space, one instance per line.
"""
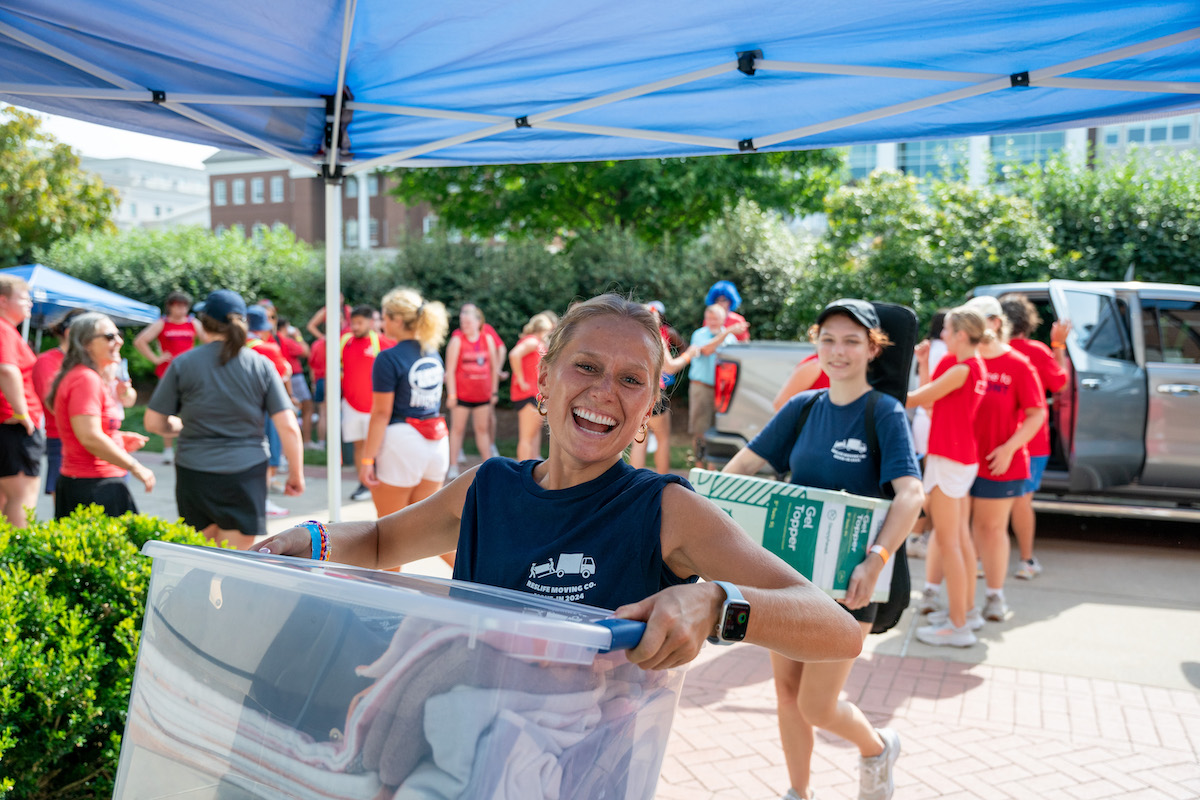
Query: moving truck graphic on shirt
x=567 y=564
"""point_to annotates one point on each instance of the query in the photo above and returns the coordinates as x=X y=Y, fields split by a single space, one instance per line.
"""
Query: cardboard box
x=822 y=534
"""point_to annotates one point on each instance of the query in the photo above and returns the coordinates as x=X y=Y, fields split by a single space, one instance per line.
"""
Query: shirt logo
x=852 y=451
x=566 y=564
x=425 y=382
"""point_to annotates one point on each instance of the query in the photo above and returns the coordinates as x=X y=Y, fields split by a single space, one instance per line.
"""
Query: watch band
x=734 y=602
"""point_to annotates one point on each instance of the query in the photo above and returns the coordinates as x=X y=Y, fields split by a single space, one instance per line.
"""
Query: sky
x=99 y=141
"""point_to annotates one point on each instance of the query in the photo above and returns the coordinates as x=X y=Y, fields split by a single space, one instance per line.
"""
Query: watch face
x=737 y=617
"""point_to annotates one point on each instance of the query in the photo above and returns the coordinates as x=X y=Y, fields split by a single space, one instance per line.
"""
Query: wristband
x=20 y=417
x=881 y=551
x=1059 y=345
x=367 y=462
x=320 y=540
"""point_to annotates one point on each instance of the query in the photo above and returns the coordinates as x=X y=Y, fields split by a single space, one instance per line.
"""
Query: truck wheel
x=560 y=573
x=587 y=573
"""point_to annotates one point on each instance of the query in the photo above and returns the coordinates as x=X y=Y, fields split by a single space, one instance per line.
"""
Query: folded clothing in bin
x=285 y=693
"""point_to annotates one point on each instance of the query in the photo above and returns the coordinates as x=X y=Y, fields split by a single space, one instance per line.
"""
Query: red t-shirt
x=822 y=381
x=952 y=429
x=358 y=358
x=293 y=351
x=83 y=392
x=529 y=369
x=316 y=359
x=1012 y=387
x=15 y=350
x=1053 y=378
x=44 y=369
x=176 y=338
x=731 y=319
x=473 y=372
x=272 y=353
x=490 y=333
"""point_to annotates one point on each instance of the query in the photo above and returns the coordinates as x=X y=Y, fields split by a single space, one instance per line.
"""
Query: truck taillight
x=726 y=380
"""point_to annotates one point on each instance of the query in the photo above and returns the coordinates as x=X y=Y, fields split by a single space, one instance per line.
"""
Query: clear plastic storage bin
x=267 y=677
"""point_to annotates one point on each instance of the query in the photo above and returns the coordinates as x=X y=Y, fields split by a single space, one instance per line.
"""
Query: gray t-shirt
x=223 y=408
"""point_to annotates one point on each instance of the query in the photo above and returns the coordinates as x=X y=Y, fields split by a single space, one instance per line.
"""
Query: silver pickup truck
x=1125 y=432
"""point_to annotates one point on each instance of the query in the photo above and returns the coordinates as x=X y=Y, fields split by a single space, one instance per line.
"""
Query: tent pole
x=333 y=342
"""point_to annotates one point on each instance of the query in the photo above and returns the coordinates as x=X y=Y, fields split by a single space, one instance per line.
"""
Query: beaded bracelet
x=320 y=539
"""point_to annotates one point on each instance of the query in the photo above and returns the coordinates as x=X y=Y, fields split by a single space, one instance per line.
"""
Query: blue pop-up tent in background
x=54 y=293
x=342 y=87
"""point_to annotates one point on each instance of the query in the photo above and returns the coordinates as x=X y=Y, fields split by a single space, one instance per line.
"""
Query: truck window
x=1098 y=323
x=1171 y=329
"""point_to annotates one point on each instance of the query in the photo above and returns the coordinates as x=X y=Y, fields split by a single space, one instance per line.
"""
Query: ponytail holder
x=320 y=540
x=421 y=309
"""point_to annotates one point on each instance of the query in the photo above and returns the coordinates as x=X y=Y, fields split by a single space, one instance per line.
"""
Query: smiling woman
x=584 y=526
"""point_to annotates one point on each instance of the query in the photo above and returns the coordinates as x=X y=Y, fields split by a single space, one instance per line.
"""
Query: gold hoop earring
x=644 y=432
x=541 y=404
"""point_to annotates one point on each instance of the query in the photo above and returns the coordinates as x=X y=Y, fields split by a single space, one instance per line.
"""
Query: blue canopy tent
x=344 y=86
x=54 y=293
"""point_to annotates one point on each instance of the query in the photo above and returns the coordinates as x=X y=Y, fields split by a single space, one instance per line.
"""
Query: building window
x=1134 y=135
x=279 y=226
x=861 y=160
x=277 y=189
x=218 y=193
x=428 y=223
x=239 y=192
x=1112 y=138
x=258 y=231
x=351 y=235
x=158 y=211
x=352 y=187
x=133 y=210
x=1158 y=133
x=1026 y=148
x=373 y=231
x=931 y=159
x=1181 y=133
x=220 y=229
x=256 y=190
x=372 y=185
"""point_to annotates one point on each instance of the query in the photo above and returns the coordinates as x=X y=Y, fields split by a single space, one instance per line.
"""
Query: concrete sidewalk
x=1088 y=691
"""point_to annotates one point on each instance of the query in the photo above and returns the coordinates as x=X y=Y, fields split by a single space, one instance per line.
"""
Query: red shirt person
x=360 y=345
x=175 y=333
x=22 y=445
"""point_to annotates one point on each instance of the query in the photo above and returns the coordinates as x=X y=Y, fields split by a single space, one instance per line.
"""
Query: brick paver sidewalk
x=967 y=731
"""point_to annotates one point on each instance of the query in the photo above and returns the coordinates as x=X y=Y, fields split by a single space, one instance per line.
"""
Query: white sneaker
x=917 y=544
x=946 y=635
x=1029 y=569
x=974 y=618
x=313 y=446
x=461 y=458
x=274 y=510
x=930 y=601
x=495 y=451
x=995 y=609
x=453 y=472
x=875 y=774
x=277 y=486
x=361 y=493
x=652 y=447
x=168 y=456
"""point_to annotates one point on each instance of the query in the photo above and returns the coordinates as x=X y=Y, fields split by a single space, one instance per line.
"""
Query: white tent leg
x=333 y=340
x=364 y=212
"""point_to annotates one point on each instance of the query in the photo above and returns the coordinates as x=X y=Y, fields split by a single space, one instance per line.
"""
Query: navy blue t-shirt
x=596 y=543
x=416 y=379
x=831 y=452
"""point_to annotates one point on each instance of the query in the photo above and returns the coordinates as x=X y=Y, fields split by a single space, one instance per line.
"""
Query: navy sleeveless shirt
x=596 y=543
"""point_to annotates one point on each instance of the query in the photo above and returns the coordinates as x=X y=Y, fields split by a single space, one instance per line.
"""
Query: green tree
x=657 y=198
x=44 y=195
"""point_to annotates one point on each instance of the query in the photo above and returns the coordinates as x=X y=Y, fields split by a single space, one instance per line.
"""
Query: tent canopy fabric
x=487 y=82
x=54 y=294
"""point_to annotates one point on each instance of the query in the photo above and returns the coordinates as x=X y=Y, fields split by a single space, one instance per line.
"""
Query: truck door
x=1104 y=421
x=1171 y=333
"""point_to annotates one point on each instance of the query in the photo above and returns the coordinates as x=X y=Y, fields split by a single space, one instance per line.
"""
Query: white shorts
x=953 y=478
x=407 y=458
x=920 y=431
x=300 y=388
x=354 y=423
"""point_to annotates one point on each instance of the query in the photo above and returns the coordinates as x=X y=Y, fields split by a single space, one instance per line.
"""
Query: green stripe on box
x=791 y=531
x=856 y=532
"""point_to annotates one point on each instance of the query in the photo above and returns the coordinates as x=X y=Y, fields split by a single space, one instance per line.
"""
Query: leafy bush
x=72 y=596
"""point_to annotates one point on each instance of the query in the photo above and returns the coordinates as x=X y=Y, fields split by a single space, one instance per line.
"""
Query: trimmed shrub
x=72 y=596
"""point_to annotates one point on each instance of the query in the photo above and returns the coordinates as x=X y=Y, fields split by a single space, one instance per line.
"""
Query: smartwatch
x=734 y=616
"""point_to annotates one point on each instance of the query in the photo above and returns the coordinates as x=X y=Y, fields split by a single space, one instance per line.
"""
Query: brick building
x=257 y=192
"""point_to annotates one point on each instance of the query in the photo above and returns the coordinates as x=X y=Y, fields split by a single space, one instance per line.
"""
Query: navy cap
x=257 y=320
x=860 y=310
x=221 y=303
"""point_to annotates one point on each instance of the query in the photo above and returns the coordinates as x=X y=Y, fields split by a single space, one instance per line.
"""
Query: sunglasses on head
x=110 y=336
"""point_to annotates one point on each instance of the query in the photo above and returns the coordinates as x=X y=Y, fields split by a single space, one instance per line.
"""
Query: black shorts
x=53 y=462
x=20 y=452
x=111 y=493
x=469 y=404
x=528 y=401
x=235 y=501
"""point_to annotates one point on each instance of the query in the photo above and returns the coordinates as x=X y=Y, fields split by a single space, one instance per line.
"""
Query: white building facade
x=153 y=195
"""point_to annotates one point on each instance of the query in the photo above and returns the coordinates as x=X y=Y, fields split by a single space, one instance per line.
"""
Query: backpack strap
x=806 y=409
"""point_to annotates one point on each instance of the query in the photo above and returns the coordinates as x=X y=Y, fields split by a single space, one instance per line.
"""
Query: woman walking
x=848 y=338
x=95 y=453
x=175 y=332
x=216 y=398
x=472 y=382
x=524 y=359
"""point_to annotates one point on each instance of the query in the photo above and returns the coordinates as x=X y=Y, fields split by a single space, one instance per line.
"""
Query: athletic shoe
x=495 y=451
x=361 y=493
x=168 y=456
x=652 y=447
x=314 y=446
x=1029 y=569
x=918 y=543
x=875 y=774
x=791 y=795
x=274 y=510
x=974 y=619
x=453 y=472
x=995 y=609
x=946 y=635
x=930 y=601
x=461 y=458
x=277 y=486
